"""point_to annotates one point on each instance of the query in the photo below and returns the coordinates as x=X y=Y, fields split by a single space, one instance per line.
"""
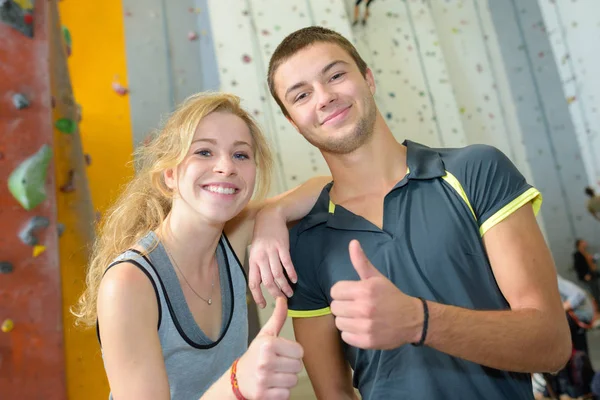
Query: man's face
x=328 y=100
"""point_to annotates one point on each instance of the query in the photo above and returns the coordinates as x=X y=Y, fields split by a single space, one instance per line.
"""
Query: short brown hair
x=301 y=39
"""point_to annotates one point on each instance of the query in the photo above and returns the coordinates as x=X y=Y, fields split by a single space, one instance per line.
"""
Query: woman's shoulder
x=126 y=289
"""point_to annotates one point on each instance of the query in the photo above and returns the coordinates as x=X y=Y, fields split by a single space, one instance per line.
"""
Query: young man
x=438 y=248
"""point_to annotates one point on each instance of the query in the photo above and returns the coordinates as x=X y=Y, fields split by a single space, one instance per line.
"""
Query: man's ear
x=370 y=80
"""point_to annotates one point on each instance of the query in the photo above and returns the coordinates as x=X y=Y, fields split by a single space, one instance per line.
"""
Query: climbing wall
x=44 y=204
x=32 y=361
x=543 y=111
x=573 y=28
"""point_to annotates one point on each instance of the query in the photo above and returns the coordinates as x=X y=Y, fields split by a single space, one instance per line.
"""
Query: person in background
x=357 y=12
x=593 y=204
x=575 y=299
x=585 y=267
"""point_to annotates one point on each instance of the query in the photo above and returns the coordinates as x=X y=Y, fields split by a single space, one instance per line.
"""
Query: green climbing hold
x=67 y=36
x=26 y=182
x=66 y=125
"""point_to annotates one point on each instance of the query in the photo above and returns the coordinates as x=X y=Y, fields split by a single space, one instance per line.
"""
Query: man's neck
x=373 y=168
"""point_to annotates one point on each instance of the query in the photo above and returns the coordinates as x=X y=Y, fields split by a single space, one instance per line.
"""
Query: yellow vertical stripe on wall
x=98 y=56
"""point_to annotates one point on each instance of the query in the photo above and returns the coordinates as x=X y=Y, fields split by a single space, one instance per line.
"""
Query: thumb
x=275 y=323
x=361 y=263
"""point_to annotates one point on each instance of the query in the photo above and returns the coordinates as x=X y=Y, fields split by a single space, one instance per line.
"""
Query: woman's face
x=216 y=178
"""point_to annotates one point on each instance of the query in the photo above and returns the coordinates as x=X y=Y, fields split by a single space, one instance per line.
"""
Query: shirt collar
x=423 y=163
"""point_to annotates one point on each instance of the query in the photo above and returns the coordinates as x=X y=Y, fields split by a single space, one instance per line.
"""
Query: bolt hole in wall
x=515 y=75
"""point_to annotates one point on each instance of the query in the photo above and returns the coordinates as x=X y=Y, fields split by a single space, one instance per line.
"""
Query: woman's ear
x=170 y=177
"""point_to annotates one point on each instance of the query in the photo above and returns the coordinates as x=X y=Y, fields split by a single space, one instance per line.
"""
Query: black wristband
x=425 y=323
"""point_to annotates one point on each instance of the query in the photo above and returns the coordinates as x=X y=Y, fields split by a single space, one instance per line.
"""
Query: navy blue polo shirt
x=430 y=246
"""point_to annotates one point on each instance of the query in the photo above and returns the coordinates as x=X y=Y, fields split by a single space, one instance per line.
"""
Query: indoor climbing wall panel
x=32 y=360
x=574 y=31
x=106 y=137
x=172 y=37
x=548 y=131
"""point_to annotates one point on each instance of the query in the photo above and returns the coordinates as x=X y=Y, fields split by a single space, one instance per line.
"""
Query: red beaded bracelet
x=234 y=383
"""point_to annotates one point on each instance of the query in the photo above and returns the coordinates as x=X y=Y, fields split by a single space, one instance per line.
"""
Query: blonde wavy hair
x=146 y=200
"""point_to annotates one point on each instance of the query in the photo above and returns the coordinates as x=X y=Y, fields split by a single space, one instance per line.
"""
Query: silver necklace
x=212 y=284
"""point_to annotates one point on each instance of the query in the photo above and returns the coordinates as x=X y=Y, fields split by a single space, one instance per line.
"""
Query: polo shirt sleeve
x=494 y=186
x=308 y=299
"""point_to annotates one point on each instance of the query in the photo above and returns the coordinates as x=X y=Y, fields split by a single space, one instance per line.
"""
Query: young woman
x=165 y=285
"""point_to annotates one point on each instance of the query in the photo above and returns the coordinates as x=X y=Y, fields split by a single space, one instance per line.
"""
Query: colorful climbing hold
x=26 y=182
x=192 y=36
x=5 y=267
x=389 y=115
x=18 y=15
x=119 y=89
x=67 y=38
x=34 y=224
x=88 y=159
x=37 y=250
x=571 y=99
x=79 y=114
x=20 y=101
x=69 y=185
x=246 y=58
x=8 y=325
x=66 y=125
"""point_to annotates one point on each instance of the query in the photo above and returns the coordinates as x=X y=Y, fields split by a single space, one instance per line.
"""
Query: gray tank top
x=193 y=361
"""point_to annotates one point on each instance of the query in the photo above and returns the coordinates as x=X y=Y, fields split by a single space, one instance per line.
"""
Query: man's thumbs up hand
x=361 y=263
x=372 y=313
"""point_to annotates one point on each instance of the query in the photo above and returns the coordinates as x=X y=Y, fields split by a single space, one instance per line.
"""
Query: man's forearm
x=296 y=203
x=525 y=340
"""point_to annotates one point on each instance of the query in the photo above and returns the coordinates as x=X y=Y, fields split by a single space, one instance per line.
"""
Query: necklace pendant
x=209 y=302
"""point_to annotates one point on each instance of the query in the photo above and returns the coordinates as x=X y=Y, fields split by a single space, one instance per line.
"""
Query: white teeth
x=221 y=190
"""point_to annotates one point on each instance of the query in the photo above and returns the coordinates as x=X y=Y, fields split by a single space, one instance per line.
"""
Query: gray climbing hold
x=20 y=101
x=26 y=182
x=5 y=267
x=27 y=233
x=61 y=228
x=21 y=18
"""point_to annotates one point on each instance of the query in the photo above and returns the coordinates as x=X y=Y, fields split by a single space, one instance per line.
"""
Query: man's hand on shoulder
x=269 y=254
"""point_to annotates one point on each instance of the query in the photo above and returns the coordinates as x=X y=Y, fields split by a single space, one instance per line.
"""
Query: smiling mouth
x=220 y=190
x=335 y=115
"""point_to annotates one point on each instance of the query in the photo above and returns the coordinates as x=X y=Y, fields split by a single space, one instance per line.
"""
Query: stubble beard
x=345 y=144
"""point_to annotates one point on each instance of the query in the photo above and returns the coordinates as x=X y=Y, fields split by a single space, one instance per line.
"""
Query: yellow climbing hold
x=24 y=4
x=37 y=250
x=8 y=325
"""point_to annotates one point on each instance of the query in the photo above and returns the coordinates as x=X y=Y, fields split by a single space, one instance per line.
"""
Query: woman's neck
x=190 y=241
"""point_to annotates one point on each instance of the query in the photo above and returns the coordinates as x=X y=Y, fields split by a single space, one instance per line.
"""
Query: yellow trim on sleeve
x=452 y=181
x=331 y=207
x=309 y=313
x=531 y=195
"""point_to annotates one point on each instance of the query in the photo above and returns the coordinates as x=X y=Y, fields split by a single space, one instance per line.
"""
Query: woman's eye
x=241 y=156
x=204 y=153
x=337 y=76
